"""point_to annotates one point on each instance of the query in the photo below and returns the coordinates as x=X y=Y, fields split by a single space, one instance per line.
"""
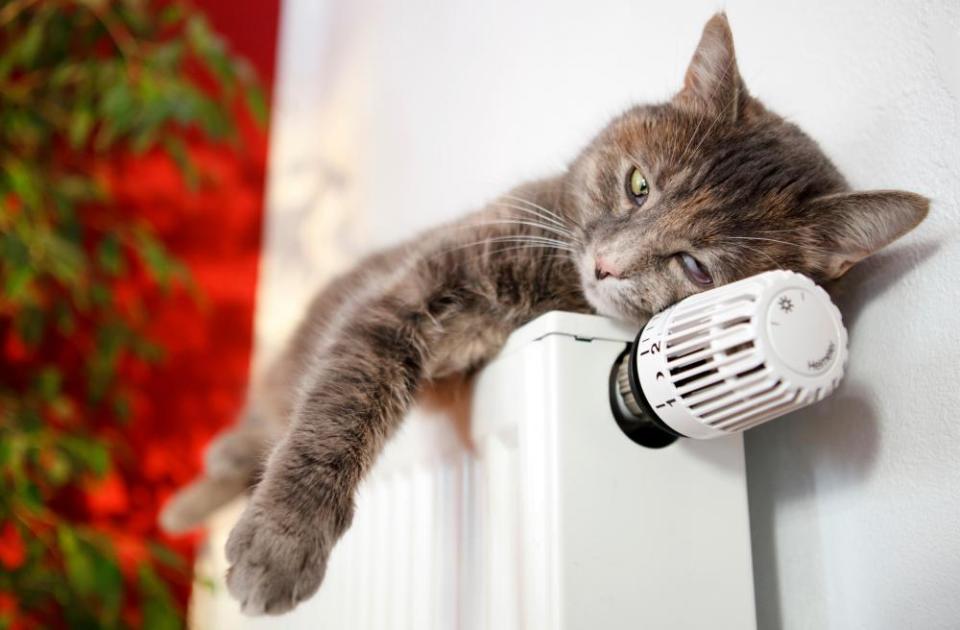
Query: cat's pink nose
x=604 y=269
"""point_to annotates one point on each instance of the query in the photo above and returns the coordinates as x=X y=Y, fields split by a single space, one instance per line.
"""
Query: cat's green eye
x=637 y=186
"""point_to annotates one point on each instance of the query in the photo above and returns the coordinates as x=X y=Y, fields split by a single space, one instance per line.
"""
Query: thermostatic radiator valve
x=729 y=359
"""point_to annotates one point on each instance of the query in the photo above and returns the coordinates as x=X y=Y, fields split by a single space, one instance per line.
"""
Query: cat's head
x=711 y=187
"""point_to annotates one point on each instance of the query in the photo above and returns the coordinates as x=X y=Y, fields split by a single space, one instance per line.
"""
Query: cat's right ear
x=712 y=84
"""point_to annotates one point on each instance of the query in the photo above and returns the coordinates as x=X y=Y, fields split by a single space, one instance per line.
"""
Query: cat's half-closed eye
x=854 y=225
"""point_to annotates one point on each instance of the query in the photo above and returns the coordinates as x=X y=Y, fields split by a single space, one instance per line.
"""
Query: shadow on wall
x=840 y=438
x=872 y=278
x=795 y=451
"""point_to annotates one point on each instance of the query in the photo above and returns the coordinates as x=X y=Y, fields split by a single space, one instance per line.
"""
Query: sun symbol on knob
x=786 y=304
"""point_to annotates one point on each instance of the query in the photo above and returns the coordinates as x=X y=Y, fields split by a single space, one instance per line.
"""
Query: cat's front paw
x=276 y=560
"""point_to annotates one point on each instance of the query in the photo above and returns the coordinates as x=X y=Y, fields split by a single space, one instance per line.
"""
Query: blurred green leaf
x=257 y=104
x=48 y=383
x=148 y=351
x=166 y=556
x=110 y=256
x=109 y=582
x=29 y=494
x=13 y=448
x=121 y=407
x=100 y=295
x=116 y=102
x=171 y=14
x=67 y=261
x=177 y=150
x=168 y=55
x=23 y=181
x=66 y=321
x=90 y=454
x=17 y=283
x=26 y=49
x=111 y=337
x=80 y=125
x=97 y=5
x=80 y=189
x=157 y=609
x=29 y=325
x=58 y=469
x=77 y=563
x=30 y=418
x=13 y=251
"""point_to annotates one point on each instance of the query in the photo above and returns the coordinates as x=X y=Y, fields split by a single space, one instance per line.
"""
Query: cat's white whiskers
x=555 y=230
x=562 y=220
x=546 y=226
x=568 y=238
x=561 y=254
x=754 y=250
x=495 y=248
x=532 y=211
x=536 y=241
x=773 y=240
x=539 y=239
x=550 y=213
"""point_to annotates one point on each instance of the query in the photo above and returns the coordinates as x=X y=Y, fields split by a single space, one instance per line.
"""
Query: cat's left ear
x=856 y=224
x=712 y=85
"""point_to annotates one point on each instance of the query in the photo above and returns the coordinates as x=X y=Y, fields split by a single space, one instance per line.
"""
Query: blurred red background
x=206 y=335
x=216 y=231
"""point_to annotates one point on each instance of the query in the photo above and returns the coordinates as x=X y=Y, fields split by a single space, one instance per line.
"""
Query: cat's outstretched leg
x=233 y=460
x=350 y=405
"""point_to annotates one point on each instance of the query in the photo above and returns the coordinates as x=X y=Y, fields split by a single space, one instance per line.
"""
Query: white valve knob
x=731 y=358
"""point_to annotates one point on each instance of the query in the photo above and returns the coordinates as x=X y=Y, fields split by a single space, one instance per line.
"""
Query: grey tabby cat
x=668 y=200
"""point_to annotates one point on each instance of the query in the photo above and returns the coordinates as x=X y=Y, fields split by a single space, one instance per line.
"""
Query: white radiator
x=554 y=520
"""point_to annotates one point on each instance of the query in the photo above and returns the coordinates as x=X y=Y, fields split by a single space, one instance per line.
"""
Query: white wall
x=394 y=116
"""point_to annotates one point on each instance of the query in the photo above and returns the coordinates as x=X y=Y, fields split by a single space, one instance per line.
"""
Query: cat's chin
x=607 y=306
